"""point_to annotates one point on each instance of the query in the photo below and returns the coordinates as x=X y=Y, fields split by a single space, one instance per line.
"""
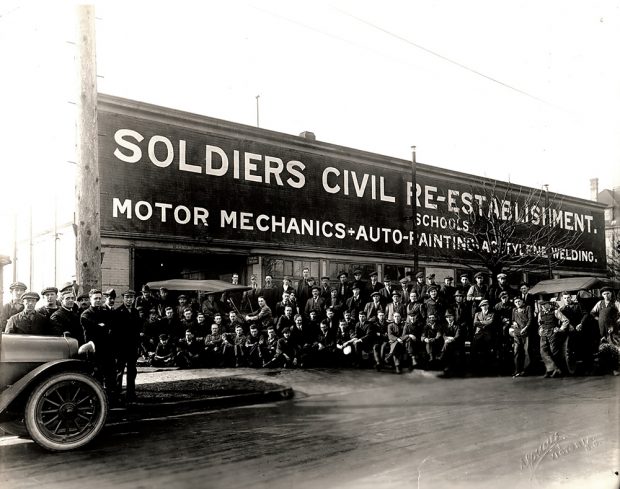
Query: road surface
x=357 y=429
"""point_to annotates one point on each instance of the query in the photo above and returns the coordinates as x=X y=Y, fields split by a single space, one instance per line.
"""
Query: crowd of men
x=408 y=323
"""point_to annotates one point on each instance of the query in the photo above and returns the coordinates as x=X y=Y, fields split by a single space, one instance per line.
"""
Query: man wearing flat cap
x=503 y=340
x=50 y=294
x=374 y=285
x=15 y=305
x=362 y=284
x=430 y=282
x=126 y=330
x=607 y=313
x=484 y=337
x=83 y=303
x=29 y=321
x=147 y=299
x=434 y=305
x=373 y=307
x=478 y=292
x=501 y=286
x=447 y=290
x=97 y=325
x=67 y=318
x=418 y=286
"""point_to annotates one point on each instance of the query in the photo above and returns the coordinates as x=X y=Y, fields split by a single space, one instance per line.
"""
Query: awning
x=207 y=286
x=571 y=284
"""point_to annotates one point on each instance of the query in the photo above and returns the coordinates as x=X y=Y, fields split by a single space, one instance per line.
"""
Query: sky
x=522 y=91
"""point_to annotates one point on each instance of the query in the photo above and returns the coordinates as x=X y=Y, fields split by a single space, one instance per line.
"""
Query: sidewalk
x=161 y=391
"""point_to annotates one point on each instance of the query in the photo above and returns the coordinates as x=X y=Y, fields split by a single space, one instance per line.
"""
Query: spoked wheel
x=570 y=355
x=66 y=411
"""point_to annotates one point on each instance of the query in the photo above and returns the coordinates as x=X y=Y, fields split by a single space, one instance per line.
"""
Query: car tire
x=570 y=356
x=66 y=411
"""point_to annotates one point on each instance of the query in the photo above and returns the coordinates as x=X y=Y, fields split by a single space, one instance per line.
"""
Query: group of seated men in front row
x=413 y=323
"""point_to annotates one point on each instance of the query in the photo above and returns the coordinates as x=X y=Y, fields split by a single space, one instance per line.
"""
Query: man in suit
x=250 y=297
x=325 y=289
x=315 y=303
x=303 y=287
x=344 y=288
x=126 y=329
x=373 y=307
x=397 y=305
x=374 y=285
x=354 y=303
x=386 y=291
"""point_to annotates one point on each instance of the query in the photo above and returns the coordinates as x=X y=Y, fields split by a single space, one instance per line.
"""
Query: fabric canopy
x=207 y=286
x=570 y=284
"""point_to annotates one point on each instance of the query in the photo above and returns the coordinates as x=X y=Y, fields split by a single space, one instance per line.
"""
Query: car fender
x=34 y=376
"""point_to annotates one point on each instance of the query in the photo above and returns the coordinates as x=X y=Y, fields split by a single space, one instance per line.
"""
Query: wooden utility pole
x=87 y=217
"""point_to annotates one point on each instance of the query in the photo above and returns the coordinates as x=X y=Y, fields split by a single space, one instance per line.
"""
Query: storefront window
x=279 y=268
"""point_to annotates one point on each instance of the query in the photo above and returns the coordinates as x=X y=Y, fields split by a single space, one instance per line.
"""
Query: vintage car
x=48 y=393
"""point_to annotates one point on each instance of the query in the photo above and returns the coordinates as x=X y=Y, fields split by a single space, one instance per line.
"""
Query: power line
x=445 y=58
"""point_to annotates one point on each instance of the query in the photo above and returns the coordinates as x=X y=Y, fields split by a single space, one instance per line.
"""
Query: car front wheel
x=66 y=411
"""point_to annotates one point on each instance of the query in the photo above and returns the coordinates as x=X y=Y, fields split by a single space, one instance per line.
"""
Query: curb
x=139 y=410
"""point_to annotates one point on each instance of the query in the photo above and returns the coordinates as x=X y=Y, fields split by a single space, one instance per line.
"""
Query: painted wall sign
x=166 y=180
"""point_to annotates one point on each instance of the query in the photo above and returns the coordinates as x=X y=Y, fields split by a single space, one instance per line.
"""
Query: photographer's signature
x=555 y=446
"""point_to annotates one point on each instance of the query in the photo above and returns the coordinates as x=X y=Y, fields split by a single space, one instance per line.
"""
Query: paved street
x=357 y=429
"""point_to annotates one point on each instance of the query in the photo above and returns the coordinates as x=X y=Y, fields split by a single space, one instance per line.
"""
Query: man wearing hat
x=315 y=303
x=373 y=307
x=97 y=325
x=29 y=321
x=50 y=294
x=337 y=306
x=126 y=330
x=447 y=290
x=552 y=327
x=354 y=303
x=67 y=319
x=503 y=318
x=109 y=299
x=453 y=351
x=374 y=284
x=462 y=315
x=397 y=305
x=83 y=303
x=484 y=336
x=344 y=288
x=325 y=288
x=386 y=291
x=362 y=284
x=607 y=313
x=419 y=285
x=165 y=300
x=464 y=284
x=15 y=305
x=433 y=305
x=430 y=283
x=499 y=287
x=146 y=300
x=477 y=292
